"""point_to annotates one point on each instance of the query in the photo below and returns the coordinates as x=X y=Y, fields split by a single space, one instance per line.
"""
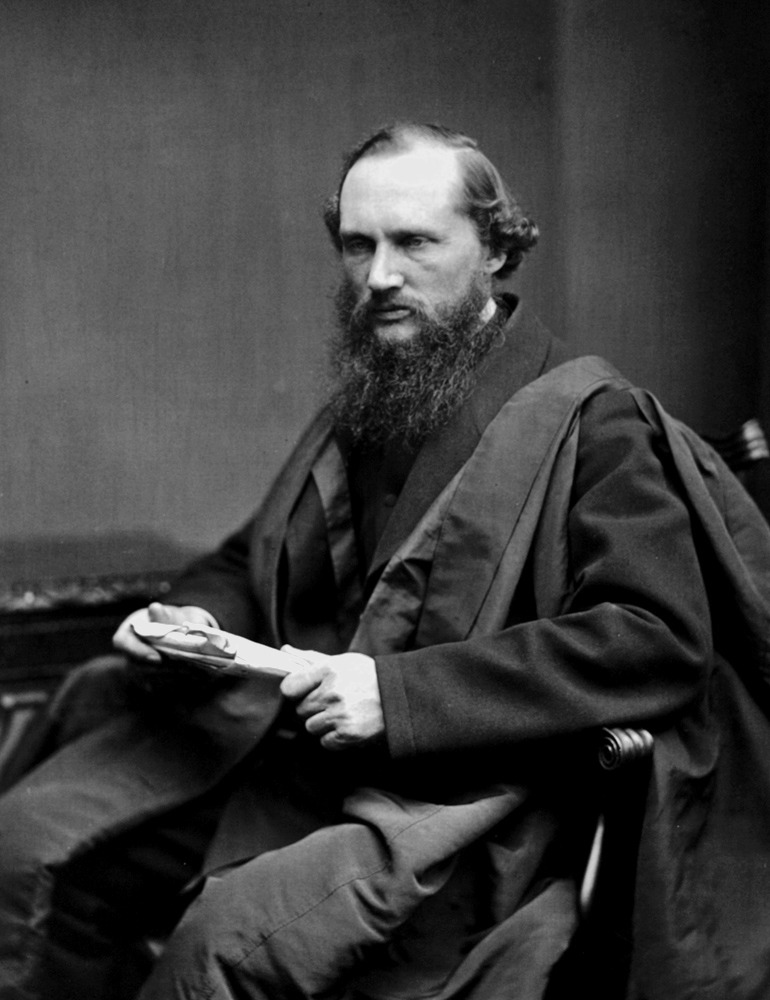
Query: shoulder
x=613 y=412
x=616 y=441
x=611 y=404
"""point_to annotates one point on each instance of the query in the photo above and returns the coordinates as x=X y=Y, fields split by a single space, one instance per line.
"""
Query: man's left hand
x=339 y=698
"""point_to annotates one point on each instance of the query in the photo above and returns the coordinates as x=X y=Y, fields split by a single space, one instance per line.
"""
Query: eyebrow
x=396 y=234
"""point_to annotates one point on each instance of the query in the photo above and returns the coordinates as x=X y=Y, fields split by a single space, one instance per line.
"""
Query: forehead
x=418 y=185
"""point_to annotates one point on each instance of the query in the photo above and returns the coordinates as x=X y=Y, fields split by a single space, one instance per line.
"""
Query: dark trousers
x=365 y=896
x=378 y=906
x=87 y=878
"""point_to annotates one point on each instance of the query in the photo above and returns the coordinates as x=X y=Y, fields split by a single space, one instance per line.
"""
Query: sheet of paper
x=211 y=647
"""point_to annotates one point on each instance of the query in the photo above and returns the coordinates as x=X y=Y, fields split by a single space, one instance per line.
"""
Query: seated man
x=485 y=551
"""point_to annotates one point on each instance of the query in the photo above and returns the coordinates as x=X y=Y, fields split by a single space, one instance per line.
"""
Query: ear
x=494 y=262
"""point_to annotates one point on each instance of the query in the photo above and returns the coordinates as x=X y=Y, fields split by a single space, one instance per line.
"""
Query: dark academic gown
x=538 y=578
x=489 y=661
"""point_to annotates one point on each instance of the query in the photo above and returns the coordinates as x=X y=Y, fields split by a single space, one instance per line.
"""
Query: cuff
x=395 y=706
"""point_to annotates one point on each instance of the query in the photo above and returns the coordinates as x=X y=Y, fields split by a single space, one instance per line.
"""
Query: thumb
x=158 y=612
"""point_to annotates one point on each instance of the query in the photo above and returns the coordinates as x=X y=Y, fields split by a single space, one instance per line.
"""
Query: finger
x=135 y=648
x=164 y=613
x=311 y=655
x=301 y=682
x=333 y=741
x=310 y=706
x=126 y=641
x=320 y=724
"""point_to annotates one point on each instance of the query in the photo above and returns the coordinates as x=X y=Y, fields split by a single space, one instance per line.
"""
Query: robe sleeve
x=221 y=584
x=633 y=645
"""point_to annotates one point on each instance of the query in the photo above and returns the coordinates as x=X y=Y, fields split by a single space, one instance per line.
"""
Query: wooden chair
x=624 y=756
x=742 y=449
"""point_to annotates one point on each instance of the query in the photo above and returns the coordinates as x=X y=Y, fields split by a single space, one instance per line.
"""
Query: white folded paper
x=212 y=648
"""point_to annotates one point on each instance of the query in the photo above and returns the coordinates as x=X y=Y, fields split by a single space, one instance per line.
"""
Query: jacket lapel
x=457 y=571
x=270 y=524
x=527 y=351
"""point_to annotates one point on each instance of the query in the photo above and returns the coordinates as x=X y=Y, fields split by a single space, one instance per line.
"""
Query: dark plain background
x=166 y=279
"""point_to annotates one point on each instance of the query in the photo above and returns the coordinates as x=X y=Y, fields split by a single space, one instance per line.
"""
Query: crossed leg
x=306 y=919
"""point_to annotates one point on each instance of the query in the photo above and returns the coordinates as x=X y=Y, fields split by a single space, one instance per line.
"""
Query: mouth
x=390 y=314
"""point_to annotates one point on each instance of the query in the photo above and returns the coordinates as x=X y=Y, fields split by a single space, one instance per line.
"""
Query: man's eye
x=355 y=246
x=415 y=242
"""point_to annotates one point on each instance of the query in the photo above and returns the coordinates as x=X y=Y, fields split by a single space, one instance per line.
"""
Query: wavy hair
x=486 y=200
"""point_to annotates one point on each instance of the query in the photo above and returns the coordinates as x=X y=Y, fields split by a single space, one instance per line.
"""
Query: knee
x=92 y=694
x=292 y=922
x=25 y=834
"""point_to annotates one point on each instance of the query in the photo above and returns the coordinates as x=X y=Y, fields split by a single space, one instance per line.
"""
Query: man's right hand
x=127 y=641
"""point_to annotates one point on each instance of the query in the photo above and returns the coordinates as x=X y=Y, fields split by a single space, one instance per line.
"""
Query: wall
x=663 y=187
x=166 y=277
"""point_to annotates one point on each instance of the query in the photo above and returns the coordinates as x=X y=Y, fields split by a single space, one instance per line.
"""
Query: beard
x=401 y=391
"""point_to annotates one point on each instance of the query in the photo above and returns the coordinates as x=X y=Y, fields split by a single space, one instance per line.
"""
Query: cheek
x=355 y=277
x=458 y=271
x=453 y=282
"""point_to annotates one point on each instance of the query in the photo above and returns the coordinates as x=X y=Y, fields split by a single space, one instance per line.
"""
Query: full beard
x=401 y=391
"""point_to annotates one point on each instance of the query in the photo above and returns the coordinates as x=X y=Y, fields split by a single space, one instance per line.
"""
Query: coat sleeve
x=221 y=583
x=633 y=645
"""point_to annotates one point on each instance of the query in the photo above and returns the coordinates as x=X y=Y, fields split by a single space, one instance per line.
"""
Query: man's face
x=407 y=250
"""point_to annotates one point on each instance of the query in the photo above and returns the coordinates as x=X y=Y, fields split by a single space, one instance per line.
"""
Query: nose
x=384 y=272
